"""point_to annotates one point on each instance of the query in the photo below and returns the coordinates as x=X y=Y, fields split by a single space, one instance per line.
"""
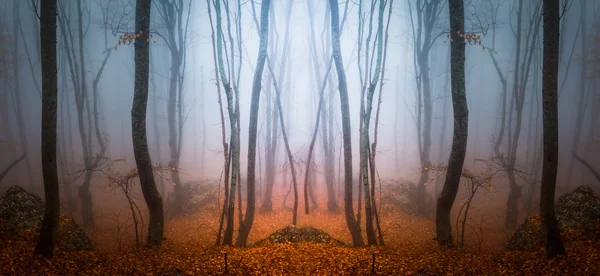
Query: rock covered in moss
x=20 y=210
x=21 y=214
x=575 y=211
x=299 y=234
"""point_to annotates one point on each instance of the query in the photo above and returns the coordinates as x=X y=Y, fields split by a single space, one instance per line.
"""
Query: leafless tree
x=171 y=13
x=49 y=230
x=353 y=225
x=246 y=226
x=427 y=13
x=138 y=123
x=461 y=125
x=552 y=238
x=88 y=123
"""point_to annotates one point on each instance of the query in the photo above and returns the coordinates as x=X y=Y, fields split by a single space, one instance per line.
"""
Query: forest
x=299 y=137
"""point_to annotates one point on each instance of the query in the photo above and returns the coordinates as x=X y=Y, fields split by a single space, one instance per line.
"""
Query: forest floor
x=409 y=250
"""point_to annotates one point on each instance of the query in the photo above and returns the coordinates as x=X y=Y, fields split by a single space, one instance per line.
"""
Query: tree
x=49 y=230
x=525 y=50
x=372 y=76
x=461 y=123
x=226 y=156
x=552 y=238
x=353 y=225
x=427 y=13
x=230 y=82
x=277 y=82
x=245 y=227
x=87 y=117
x=171 y=13
x=138 y=123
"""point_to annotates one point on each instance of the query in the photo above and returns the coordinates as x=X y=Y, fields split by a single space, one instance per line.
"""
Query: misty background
x=103 y=21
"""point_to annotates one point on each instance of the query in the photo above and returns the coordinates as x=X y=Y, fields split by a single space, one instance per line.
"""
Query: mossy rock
x=294 y=234
x=21 y=215
x=578 y=211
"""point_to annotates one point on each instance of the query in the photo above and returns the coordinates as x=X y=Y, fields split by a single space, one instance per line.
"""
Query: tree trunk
x=271 y=140
x=347 y=138
x=138 y=124
x=552 y=238
x=49 y=230
x=226 y=153
x=461 y=124
x=84 y=190
x=233 y=162
x=245 y=228
x=427 y=13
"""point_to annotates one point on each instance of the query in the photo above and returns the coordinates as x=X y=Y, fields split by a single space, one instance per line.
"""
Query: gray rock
x=21 y=211
x=578 y=210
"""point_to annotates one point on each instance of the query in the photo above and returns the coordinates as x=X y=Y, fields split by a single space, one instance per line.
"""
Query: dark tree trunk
x=552 y=238
x=138 y=124
x=461 y=124
x=252 y=131
x=49 y=230
x=346 y=131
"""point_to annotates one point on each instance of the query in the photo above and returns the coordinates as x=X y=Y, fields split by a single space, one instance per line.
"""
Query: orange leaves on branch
x=470 y=38
x=128 y=38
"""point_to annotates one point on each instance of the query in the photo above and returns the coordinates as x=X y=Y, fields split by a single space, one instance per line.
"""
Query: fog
x=198 y=122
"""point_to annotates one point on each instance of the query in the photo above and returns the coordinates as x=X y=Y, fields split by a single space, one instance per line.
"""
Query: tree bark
x=552 y=238
x=461 y=124
x=138 y=124
x=346 y=131
x=49 y=230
